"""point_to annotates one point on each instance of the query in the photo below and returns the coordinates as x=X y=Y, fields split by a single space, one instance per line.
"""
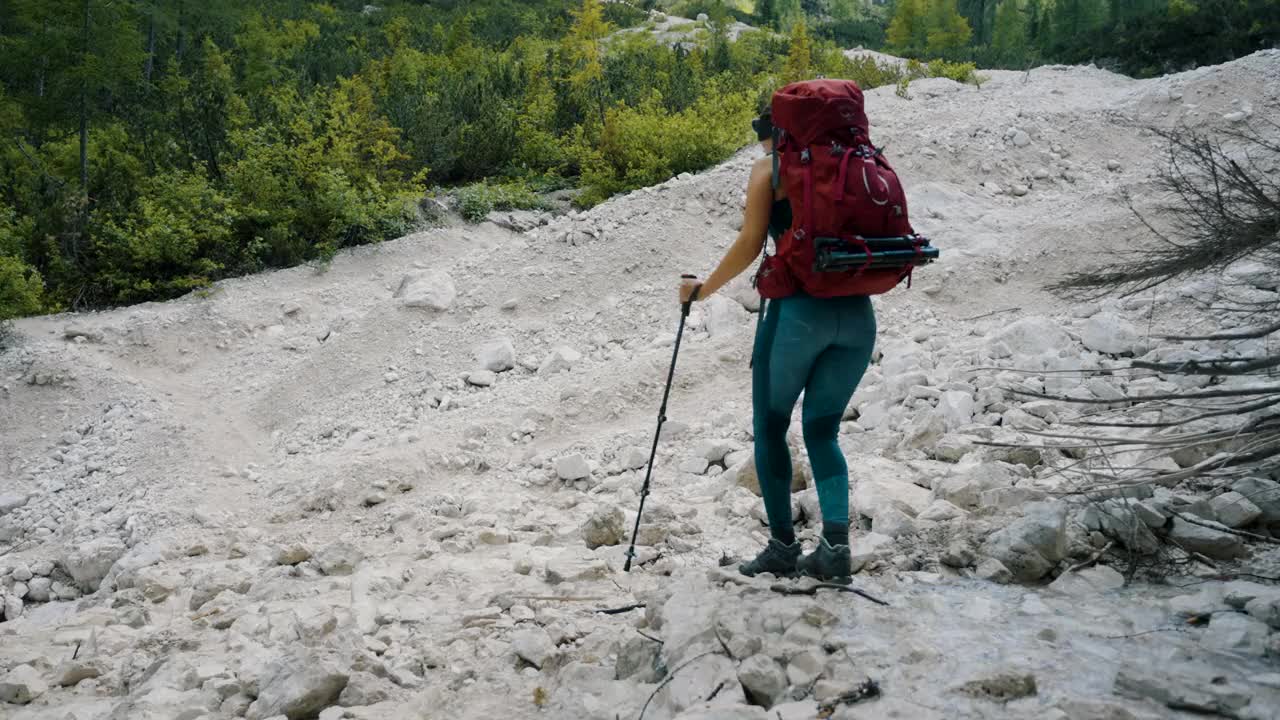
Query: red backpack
x=844 y=198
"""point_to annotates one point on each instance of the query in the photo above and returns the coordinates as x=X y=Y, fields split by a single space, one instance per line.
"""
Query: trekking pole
x=662 y=417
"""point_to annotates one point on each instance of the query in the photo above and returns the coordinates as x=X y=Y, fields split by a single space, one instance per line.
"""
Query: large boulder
x=763 y=679
x=10 y=501
x=1031 y=545
x=1265 y=495
x=297 y=686
x=965 y=485
x=561 y=359
x=1110 y=334
x=1031 y=337
x=725 y=317
x=21 y=685
x=605 y=526
x=432 y=289
x=1208 y=541
x=956 y=408
x=90 y=563
x=744 y=474
x=497 y=355
x=533 y=645
x=1234 y=510
x=877 y=496
x=699 y=680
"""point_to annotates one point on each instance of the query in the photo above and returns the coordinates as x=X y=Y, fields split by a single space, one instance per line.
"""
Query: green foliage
x=909 y=29
x=1009 y=39
x=21 y=288
x=646 y=145
x=931 y=26
x=948 y=31
x=476 y=201
x=799 y=65
x=152 y=148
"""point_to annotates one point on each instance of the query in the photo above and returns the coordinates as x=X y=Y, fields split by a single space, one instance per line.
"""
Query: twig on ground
x=715 y=692
x=619 y=610
x=715 y=628
x=647 y=636
x=1092 y=559
x=1138 y=634
x=813 y=590
x=671 y=676
x=993 y=312
x=556 y=598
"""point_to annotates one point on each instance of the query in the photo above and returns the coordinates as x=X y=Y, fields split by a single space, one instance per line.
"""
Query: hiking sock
x=787 y=535
x=835 y=533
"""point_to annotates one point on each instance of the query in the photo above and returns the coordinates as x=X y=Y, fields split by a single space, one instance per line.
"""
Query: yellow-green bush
x=21 y=288
x=177 y=237
x=646 y=145
x=960 y=72
x=476 y=201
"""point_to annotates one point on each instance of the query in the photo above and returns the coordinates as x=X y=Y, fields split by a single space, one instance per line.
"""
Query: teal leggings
x=821 y=346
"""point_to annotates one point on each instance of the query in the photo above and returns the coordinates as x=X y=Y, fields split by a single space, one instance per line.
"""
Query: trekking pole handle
x=685 y=306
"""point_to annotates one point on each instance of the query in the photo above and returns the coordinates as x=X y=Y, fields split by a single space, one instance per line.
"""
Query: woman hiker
x=804 y=343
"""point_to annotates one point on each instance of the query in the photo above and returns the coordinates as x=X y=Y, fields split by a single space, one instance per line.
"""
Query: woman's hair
x=763 y=125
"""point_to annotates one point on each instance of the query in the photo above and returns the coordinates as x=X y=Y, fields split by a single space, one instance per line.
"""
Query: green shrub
x=646 y=145
x=176 y=238
x=960 y=72
x=478 y=200
x=21 y=289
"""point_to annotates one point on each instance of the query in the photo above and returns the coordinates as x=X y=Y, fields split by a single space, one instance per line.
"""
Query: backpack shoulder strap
x=777 y=136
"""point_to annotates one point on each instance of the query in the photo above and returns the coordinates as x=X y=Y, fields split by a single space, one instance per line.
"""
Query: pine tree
x=584 y=52
x=789 y=13
x=981 y=16
x=721 y=58
x=948 y=30
x=767 y=11
x=1009 y=38
x=799 y=64
x=907 y=30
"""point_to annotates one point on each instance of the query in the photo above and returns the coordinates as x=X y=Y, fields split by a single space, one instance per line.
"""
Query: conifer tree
x=908 y=29
x=947 y=28
x=583 y=48
x=799 y=64
x=1009 y=37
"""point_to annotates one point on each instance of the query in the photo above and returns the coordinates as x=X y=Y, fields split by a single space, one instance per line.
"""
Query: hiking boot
x=776 y=558
x=828 y=563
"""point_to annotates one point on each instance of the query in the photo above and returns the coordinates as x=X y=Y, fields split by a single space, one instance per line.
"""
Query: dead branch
x=619 y=610
x=1092 y=559
x=1240 y=335
x=647 y=636
x=1239 y=392
x=813 y=590
x=671 y=676
x=715 y=629
x=993 y=312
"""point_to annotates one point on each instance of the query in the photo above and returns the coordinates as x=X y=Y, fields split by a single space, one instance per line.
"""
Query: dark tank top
x=779 y=218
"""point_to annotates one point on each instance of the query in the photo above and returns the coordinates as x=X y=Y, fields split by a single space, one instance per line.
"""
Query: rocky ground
x=401 y=486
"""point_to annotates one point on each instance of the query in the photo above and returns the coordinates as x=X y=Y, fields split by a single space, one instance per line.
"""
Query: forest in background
x=150 y=147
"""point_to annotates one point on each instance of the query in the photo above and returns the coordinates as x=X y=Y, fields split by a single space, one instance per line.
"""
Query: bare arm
x=746 y=248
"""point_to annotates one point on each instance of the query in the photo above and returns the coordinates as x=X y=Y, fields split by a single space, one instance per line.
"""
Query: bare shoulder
x=762 y=179
x=763 y=167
